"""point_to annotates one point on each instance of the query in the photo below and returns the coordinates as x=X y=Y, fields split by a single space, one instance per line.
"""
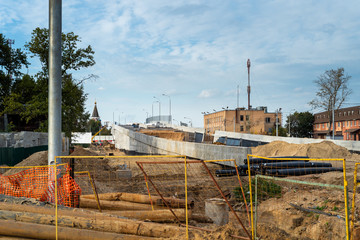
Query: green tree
x=11 y=62
x=301 y=124
x=281 y=131
x=74 y=116
x=332 y=91
x=93 y=126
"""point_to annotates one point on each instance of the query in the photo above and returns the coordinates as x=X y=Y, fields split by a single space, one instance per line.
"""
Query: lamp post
x=333 y=118
x=277 y=120
x=189 y=121
x=158 y=100
x=169 y=107
x=152 y=110
x=290 y=121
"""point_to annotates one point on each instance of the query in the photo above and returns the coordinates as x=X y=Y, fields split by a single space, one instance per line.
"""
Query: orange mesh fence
x=36 y=183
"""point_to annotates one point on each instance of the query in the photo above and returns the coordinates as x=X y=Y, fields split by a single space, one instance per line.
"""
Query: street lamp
x=147 y=115
x=158 y=100
x=152 y=109
x=177 y=121
x=169 y=107
x=189 y=121
x=277 y=120
x=290 y=121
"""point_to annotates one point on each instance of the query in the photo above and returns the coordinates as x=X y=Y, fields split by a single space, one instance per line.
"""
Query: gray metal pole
x=54 y=115
x=333 y=119
x=277 y=112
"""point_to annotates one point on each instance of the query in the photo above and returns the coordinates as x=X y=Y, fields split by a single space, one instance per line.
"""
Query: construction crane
x=92 y=139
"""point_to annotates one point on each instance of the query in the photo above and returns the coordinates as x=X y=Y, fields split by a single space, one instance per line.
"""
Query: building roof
x=95 y=114
x=352 y=130
x=343 y=114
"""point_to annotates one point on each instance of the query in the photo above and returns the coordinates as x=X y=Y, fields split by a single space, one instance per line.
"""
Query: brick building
x=347 y=122
x=255 y=121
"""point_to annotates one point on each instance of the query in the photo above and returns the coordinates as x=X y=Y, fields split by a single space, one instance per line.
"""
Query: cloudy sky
x=195 y=51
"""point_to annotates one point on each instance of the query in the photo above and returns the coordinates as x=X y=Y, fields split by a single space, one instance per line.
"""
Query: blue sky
x=196 y=51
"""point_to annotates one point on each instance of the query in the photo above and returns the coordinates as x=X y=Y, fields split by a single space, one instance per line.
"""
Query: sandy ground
x=277 y=219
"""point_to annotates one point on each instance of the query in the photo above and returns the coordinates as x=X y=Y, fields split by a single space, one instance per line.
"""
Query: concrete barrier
x=132 y=142
x=350 y=145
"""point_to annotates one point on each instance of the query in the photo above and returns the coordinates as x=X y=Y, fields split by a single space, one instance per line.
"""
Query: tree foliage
x=281 y=131
x=11 y=62
x=73 y=57
x=32 y=103
x=301 y=124
x=332 y=91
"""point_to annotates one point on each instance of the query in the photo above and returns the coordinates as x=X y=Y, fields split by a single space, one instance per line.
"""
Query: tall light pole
x=177 y=121
x=290 y=121
x=152 y=110
x=169 y=107
x=190 y=120
x=277 y=120
x=54 y=114
x=159 y=106
x=333 y=117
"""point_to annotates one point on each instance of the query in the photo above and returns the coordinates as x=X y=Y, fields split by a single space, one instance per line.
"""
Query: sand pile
x=325 y=149
x=167 y=134
x=36 y=159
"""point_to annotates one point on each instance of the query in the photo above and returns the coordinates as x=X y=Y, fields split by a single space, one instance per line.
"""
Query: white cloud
x=207 y=93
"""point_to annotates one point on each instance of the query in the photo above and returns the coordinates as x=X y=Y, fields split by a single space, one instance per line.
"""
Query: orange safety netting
x=37 y=183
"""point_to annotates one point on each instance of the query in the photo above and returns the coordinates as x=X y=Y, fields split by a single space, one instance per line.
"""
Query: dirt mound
x=80 y=151
x=36 y=159
x=278 y=219
x=325 y=149
x=167 y=134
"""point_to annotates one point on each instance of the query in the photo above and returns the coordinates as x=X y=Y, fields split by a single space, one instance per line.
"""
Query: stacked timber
x=140 y=207
x=28 y=219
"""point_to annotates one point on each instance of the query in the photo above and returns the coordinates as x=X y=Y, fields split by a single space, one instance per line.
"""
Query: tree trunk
x=47 y=232
x=114 y=205
x=140 y=198
x=154 y=216
x=116 y=226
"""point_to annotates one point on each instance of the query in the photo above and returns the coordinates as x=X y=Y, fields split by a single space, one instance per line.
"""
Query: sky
x=195 y=52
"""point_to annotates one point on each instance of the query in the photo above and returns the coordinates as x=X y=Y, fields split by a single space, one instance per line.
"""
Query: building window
x=241 y=117
x=355 y=123
x=247 y=117
x=350 y=123
x=241 y=128
x=338 y=124
x=352 y=112
x=323 y=125
x=267 y=120
x=339 y=114
x=349 y=113
x=347 y=123
x=344 y=113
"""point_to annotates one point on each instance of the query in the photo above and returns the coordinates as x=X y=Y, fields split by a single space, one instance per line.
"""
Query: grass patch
x=266 y=189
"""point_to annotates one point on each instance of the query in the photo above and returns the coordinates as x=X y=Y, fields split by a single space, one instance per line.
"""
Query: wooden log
x=50 y=210
x=154 y=216
x=141 y=198
x=114 y=205
x=40 y=231
x=116 y=226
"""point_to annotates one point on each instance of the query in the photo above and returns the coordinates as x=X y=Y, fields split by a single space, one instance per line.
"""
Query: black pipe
x=225 y=172
x=295 y=164
x=304 y=171
x=276 y=159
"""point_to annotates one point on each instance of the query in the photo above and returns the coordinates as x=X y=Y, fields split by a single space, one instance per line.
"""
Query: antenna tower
x=248 y=88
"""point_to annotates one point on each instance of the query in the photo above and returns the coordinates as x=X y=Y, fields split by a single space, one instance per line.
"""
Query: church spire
x=95 y=114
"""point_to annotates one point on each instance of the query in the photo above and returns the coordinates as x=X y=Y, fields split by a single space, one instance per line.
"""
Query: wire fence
x=290 y=193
